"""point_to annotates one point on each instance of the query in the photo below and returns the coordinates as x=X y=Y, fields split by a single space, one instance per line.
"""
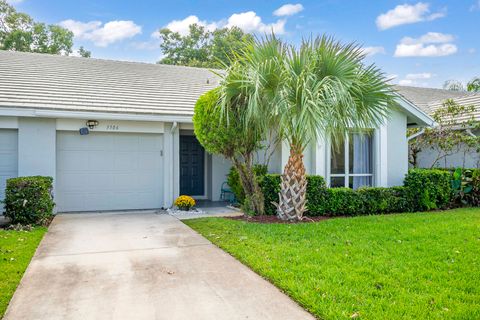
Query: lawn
x=402 y=266
x=16 y=250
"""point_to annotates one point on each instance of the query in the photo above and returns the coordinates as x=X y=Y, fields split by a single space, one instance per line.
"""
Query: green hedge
x=28 y=200
x=423 y=190
x=429 y=189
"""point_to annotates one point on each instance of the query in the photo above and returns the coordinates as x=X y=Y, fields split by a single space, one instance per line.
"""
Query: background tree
x=455 y=85
x=225 y=135
x=322 y=89
x=449 y=137
x=84 y=53
x=19 y=32
x=202 y=48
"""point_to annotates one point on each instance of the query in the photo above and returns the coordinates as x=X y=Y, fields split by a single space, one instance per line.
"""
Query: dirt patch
x=275 y=219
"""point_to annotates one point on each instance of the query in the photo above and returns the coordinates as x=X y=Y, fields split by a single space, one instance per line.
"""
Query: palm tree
x=455 y=85
x=323 y=89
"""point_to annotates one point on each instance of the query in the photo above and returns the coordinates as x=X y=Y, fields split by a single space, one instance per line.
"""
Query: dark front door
x=192 y=166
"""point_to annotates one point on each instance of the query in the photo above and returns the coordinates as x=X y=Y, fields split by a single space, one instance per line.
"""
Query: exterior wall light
x=92 y=124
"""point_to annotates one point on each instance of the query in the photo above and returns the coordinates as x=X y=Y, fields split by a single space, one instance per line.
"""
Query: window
x=352 y=161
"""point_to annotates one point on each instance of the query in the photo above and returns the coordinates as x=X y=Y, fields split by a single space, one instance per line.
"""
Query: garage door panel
x=100 y=160
x=126 y=176
x=69 y=160
x=8 y=159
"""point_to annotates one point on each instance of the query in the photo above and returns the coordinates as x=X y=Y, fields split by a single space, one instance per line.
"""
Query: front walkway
x=140 y=266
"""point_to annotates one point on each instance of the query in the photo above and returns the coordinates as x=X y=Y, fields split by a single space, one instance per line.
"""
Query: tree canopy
x=19 y=32
x=202 y=48
x=455 y=85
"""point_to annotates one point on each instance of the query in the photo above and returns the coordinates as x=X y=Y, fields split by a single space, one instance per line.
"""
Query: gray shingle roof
x=429 y=99
x=41 y=81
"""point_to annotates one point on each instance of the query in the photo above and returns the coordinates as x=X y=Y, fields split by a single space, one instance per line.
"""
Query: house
x=430 y=100
x=119 y=135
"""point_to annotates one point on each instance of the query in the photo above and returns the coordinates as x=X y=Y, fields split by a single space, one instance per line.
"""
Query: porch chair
x=226 y=194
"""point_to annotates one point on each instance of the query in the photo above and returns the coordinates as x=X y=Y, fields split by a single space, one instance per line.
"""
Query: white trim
x=415 y=111
x=21 y=112
x=112 y=126
x=382 y=157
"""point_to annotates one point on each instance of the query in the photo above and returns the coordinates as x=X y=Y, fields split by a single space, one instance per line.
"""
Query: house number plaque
x=112 y=127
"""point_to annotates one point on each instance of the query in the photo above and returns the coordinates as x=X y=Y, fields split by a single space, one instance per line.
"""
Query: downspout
x=172 y=132
x=419 y=133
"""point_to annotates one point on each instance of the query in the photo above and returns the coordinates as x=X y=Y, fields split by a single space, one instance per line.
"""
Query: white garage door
x=109 y=171
x=8 y=158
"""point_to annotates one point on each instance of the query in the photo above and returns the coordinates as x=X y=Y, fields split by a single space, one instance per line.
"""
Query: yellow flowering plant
x=184 y=202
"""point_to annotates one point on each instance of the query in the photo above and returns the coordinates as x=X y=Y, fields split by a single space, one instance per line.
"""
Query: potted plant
x=184 y=203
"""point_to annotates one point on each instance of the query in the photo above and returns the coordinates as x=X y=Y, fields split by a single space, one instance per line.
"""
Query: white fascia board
x=415 y=112
x=21 y=112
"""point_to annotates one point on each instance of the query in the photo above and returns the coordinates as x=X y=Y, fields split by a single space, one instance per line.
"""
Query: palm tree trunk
x=293 y=191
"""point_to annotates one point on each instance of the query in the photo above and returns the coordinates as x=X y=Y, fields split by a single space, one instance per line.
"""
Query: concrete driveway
x=140 y=266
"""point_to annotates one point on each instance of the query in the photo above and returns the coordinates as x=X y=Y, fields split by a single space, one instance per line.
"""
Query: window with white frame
x=351 y=163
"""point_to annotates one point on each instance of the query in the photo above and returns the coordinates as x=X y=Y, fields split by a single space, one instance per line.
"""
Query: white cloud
x=250 y=22
x=417 y=76
x=14 y=1
x=407 y=14
x=370 y=51
x=247 y=21
x=182 y=26
x=432 y=44
x=102 y=35
x=288 y=10
x=472 y=50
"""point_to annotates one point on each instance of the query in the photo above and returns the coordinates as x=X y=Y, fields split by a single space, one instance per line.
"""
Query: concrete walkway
x=140 y=266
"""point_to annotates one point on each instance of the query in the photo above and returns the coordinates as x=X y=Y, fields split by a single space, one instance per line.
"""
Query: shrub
x=233 y=180
x=184 y=202
x=428 y=189
x=28 y=200
x=466 y=186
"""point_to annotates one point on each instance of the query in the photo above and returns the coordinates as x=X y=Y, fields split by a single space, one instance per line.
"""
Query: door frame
x=203 y=196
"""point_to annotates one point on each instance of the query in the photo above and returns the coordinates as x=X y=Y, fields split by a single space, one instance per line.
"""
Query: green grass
x=403 y=266
x=16 y=251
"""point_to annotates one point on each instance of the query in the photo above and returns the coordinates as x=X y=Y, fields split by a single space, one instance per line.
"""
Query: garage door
x=8 y=158
x=109 y=171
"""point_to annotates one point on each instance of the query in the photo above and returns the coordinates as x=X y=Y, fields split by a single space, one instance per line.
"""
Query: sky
x=417 y=43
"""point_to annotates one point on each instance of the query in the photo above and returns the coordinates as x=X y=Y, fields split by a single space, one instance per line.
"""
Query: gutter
x=419 y=133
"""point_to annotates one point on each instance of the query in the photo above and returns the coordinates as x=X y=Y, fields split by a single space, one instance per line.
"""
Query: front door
x=192 y=166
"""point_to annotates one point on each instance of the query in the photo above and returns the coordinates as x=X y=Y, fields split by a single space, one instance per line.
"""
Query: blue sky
x=419 y=43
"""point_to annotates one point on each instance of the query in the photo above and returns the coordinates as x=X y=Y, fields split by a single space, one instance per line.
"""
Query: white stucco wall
x=36 y=147
x=397 y=149
x=220 y=169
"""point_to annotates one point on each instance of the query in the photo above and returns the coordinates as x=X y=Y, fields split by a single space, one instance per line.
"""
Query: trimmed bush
x=429 y=189
x=28 y=200
x=233 y=180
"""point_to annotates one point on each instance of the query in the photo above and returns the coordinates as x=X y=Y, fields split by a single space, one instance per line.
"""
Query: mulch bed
x=275 y=219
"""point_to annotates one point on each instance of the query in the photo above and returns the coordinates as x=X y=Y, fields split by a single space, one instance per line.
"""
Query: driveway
x=140 y=266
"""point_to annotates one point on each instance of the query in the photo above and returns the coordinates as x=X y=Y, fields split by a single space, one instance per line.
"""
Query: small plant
x=463 y=183
x=185 y=202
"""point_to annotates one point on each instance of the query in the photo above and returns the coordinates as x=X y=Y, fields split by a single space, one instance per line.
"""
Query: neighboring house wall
x=464 y=158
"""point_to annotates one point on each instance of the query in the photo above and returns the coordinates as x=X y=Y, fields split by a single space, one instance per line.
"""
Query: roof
x=429 y=99
x=53 y=82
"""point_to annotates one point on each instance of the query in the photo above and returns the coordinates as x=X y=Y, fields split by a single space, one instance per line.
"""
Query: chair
x=226 y=194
